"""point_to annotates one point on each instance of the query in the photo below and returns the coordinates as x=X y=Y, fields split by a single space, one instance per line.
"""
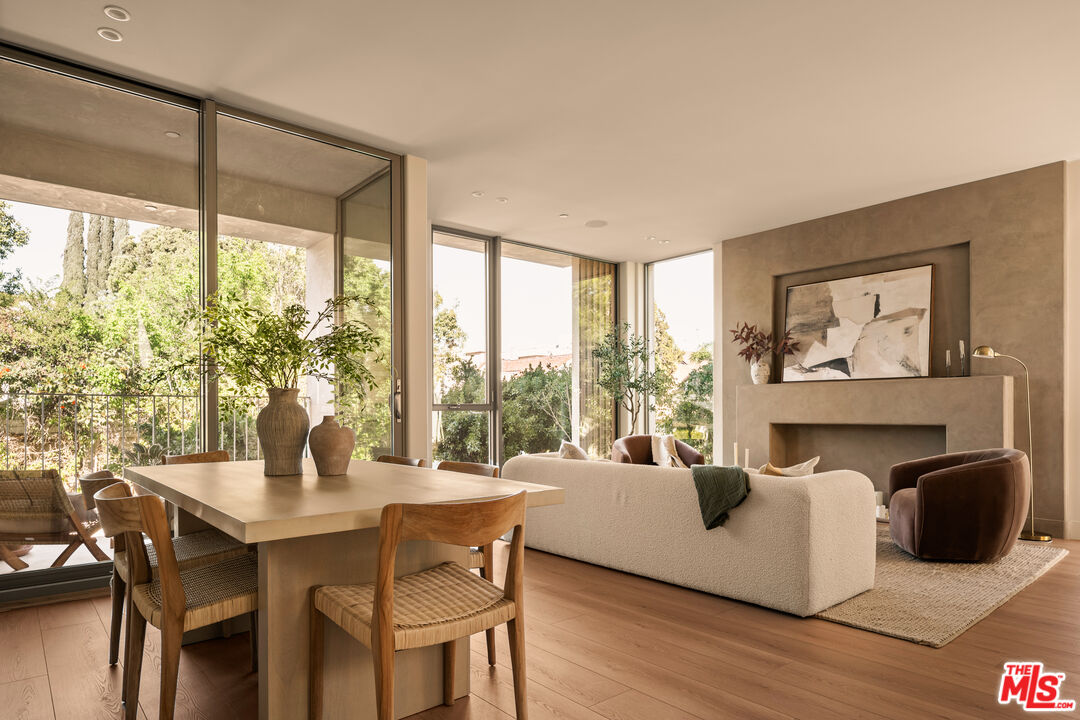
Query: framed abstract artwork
x=864 y=327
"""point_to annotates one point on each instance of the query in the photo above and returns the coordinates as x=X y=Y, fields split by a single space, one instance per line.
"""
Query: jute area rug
x=931 y=603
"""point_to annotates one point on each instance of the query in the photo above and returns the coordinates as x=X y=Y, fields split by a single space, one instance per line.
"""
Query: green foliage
x=142 y=455
x=260 y=349
x=626 y=373
x=12 y=236
x=690 y=415
x=536 y=410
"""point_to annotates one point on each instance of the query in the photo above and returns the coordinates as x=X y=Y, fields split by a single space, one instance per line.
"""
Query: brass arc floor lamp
x=985 y=351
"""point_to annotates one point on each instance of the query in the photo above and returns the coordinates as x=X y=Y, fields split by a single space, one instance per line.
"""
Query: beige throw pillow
x=664 y=452
x=570 y=451
x=800 y=470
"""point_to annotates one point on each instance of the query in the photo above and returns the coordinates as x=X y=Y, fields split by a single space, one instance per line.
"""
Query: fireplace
x=869 y=425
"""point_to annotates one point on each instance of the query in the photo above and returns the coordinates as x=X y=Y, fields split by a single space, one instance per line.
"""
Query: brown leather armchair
x=966 y=506
x=637 y=449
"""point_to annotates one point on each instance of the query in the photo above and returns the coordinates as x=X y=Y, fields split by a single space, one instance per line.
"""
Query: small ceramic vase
x=759 y=371
x=331 y=446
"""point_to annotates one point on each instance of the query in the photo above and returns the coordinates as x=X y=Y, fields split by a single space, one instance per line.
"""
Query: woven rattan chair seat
x=214 y=592
x=192 y=550
x=433 y=606
x=476 y=558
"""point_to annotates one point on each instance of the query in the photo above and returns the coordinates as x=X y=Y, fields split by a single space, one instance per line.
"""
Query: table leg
x=287 y=570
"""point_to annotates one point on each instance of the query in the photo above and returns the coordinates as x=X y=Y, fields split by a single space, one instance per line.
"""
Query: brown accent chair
x=966 y=506
x=637 y=449
x=400 y=460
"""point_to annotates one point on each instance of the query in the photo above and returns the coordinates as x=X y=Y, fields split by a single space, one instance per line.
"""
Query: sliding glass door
x=123 y=208
x=289 y=206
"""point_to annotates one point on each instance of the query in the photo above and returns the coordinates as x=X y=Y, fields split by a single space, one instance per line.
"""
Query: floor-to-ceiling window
x=463 y=409
x=680 y=313
x=540 y=313
x=123 y=207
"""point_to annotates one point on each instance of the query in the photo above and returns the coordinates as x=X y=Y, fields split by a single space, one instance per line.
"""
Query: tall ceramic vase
x=283 y=427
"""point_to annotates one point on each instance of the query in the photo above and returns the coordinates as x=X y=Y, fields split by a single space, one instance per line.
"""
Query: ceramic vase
x=283 y=427
x=759 y=371
x=331 y=446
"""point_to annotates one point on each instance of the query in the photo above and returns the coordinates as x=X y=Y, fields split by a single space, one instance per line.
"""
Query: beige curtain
x=594 y=316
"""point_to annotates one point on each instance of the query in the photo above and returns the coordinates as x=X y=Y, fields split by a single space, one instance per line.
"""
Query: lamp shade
x=984 y=351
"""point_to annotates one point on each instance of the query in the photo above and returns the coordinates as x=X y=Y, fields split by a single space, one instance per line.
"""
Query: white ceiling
x=689 y=121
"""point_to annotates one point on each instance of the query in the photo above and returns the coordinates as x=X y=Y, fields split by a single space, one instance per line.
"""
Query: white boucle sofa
x=798 y=545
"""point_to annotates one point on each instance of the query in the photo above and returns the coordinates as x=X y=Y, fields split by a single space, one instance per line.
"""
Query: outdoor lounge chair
x=35 y=509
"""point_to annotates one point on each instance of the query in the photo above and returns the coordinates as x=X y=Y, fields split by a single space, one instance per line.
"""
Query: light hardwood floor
x=602 y=644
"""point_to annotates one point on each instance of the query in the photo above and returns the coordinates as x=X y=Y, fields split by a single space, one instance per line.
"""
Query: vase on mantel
x=331 y=446
x=759 y=371
x=283 y=428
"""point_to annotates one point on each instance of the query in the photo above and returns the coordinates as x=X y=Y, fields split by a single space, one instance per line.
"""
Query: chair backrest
x=469 y=468
x=637 y=449
x=92 y=482
x=477 y=523
x=33 y=495
x=129 y=516
x=399 y=460
x=192 y=458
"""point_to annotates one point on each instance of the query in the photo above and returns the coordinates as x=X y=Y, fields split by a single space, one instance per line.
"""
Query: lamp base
x=1035 y=537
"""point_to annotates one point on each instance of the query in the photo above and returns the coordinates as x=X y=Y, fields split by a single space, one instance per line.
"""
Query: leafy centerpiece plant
x=259 y=350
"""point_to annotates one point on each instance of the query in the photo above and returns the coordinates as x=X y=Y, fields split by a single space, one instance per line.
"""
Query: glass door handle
x=397 y=400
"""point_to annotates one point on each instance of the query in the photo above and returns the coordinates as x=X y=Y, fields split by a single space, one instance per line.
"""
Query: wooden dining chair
x=480 y=558
x=192 y=550
x=174 y=601
x=438 y=606
x=399 y=460
x=190 y=458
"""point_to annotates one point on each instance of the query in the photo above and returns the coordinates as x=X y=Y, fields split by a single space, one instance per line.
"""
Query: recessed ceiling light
x=151 y=208
x=662 y=242
x=502 y=200
x=172 y=134
x=563 y=216
x=595 y=223
x=107 y=33
x=650 y=238
x=117 y=13
x=478 y=193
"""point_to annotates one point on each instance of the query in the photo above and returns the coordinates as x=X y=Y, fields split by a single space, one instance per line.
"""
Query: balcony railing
x=83 y=432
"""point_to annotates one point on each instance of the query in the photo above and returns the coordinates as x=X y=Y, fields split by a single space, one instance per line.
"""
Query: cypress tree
x=74 y=279
x=93 y=256
x=105 y=252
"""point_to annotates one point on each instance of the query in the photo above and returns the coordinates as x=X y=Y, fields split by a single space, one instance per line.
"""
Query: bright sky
x=42 y=258
x=683 y=289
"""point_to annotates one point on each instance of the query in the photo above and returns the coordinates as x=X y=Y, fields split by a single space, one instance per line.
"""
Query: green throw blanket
x=719 y=489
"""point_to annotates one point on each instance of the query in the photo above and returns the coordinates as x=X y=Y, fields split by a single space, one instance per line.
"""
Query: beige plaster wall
x=417 y=401
x=1014 y=229
x=1072 y=352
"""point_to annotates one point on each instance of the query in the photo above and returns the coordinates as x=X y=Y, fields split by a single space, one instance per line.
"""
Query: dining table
x=323 y=530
